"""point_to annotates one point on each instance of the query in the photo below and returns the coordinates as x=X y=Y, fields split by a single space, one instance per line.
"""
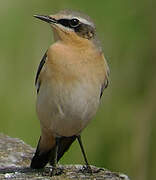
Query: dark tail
x=40 y=159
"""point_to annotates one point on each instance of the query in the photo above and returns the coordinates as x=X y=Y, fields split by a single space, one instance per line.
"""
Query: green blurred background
x=122 y=135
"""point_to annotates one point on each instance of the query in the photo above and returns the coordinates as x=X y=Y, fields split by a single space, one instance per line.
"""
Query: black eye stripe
x=84 y=30
x=71 y=23
x=64 y=22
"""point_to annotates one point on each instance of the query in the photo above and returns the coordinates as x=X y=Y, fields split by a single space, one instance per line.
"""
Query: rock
x=15 y=158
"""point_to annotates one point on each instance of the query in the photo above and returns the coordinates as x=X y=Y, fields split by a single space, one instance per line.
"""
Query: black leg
x=84 y=155
x=55 y=152
x=55 y=169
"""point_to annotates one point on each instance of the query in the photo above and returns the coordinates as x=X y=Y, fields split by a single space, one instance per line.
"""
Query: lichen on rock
x=15 y=158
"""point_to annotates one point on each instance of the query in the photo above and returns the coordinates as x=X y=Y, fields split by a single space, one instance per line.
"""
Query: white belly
x=67 y=111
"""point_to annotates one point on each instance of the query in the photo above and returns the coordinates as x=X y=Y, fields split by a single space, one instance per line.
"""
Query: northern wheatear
x=70 y=81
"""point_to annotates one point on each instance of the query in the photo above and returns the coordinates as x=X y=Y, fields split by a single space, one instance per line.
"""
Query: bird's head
x=71 y=26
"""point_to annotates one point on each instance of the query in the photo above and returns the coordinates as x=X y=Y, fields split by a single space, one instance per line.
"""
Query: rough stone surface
x=15 y=157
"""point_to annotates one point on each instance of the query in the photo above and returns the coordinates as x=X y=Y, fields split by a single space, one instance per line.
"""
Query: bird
x=70 y=81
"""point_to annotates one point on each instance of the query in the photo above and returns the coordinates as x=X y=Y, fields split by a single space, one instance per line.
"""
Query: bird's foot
x=53 y=171
x=87 y=169
x=56 y=171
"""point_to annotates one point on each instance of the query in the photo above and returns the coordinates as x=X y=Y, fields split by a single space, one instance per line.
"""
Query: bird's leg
x=55 y=152
x=55 y=169
x=88 y=168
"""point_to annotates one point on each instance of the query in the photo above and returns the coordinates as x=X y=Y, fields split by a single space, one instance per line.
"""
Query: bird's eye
x=74 y=22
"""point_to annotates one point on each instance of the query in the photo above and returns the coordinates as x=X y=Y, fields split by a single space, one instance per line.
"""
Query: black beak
x=47 y=19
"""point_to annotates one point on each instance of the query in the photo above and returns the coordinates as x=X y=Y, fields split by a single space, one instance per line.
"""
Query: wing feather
x=37 y=81
x=106 y=81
